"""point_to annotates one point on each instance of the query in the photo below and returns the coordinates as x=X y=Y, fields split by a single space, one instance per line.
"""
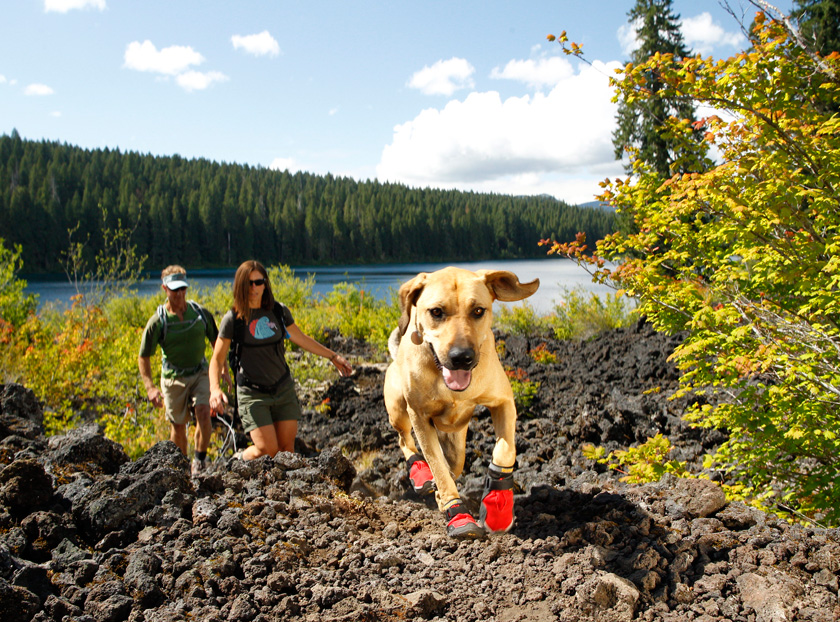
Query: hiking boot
x=420 y=475
x=198 y=467
x=460 y=524
x=496 y=515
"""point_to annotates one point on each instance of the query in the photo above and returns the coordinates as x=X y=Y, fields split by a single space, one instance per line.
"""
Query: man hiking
x=180 y=326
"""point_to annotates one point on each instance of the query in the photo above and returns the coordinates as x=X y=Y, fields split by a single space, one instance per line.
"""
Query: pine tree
x=819 y=27
x=641 y=121
x=819 y=22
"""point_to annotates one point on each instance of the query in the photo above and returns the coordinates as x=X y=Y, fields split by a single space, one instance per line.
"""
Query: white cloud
x=63 y=6
x=198 y=81
x=559 y=143
x=261 y=44
x=169 y=61
x=55 y=113
x=700 y=34
x=333 y=112
x=38 y=90
x=283 y=164
x=543 y=72
x=444 y=77
x=627 y=37
x=2 y=79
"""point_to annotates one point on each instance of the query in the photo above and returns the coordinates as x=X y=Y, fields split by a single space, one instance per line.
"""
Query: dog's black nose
x=462 y=358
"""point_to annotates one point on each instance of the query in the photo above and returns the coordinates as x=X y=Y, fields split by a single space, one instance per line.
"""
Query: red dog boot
x=460 y=523
x=420 y=475
x=497 y=503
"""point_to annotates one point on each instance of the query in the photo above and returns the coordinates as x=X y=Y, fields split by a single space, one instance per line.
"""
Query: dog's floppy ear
x=409 y=293
x=505 y=286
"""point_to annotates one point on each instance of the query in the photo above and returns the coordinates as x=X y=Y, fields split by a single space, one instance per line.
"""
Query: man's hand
x=155 y=397
x=144 y=364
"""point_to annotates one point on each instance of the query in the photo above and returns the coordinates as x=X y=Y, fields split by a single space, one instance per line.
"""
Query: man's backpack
x=238 y=343
x=164 y=322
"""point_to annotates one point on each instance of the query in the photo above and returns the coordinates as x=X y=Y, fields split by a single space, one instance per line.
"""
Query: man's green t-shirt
x=183 y=345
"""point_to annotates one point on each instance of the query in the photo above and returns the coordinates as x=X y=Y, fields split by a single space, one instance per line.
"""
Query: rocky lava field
x=331 y=532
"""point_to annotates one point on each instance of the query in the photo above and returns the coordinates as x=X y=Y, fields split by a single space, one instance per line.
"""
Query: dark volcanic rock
x=331 y=533
x=86 y=447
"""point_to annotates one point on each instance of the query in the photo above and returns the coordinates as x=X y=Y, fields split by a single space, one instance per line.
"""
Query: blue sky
x=466 y=95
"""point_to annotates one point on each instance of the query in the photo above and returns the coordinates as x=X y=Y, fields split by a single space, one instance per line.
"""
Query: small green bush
x=581 y=315
x=15 y=306
x=520 y=319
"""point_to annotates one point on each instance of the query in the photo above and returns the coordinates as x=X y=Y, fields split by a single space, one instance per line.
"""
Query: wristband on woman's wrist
x=333 y=357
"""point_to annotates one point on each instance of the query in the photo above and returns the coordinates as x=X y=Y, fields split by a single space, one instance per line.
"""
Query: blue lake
x=555 y=275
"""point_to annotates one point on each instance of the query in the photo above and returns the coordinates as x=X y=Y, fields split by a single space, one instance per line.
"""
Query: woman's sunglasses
x=257 y=282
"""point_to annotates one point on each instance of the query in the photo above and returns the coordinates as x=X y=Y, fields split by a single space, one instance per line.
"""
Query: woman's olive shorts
x=260 y=409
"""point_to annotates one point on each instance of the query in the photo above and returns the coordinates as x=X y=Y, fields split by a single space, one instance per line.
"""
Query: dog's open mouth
x=454 y=379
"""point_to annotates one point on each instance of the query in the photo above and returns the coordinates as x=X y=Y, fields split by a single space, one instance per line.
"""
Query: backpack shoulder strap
x=200 y=311
x=238 y=327
x=278 y=312
x=161 y=311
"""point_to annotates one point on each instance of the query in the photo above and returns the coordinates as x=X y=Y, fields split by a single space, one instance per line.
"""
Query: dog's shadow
x=548 y=511
x=577 y=518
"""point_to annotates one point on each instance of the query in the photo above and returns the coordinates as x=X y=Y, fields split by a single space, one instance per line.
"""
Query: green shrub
x=524 y=390
x=581 y=314
x=15 y=306
x=542 y=355
x=356 y=313
x=645 y=463
x=520 y=319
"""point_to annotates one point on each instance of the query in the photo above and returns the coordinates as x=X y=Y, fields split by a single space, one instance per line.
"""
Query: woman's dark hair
x=242 y=289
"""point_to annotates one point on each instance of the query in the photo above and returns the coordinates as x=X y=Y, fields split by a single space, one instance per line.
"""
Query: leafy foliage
x=358 y=314
x=524 y=390
x=15 y=306
x=520 y=319
x=645 y=463
x=744 y=257
x=577 y=315
x=542 y=355
x=79 y=364
x=113 y=270
x=581 y=315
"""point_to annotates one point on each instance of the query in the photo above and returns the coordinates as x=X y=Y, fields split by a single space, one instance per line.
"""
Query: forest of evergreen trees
x=207 y=214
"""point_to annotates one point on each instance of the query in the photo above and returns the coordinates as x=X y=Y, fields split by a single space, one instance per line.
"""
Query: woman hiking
x=265 y=390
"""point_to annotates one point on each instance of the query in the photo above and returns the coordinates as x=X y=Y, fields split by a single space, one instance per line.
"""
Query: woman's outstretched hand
x=341 y=365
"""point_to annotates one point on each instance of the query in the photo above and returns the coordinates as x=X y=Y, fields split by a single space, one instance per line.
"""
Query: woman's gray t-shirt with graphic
x=263 y=354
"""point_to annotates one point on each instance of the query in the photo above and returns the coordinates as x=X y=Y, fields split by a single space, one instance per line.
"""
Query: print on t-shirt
x=262 y=328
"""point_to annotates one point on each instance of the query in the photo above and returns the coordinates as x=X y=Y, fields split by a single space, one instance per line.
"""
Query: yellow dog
x=446 y=368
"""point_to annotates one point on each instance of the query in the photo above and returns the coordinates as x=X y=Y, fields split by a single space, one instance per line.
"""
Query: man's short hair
x=174 y=277
x=173 y=269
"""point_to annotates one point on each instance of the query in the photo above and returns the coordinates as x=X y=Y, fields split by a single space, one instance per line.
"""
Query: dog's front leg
x=496 y=513
x=427 y=438
x=459 y=522
x=504 y=425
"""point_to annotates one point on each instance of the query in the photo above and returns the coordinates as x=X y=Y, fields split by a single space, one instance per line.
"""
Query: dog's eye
x=479 y=312
x=436 y=313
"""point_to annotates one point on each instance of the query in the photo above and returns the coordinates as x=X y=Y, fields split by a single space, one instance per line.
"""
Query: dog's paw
x=496 y=514
x=420 y=475
x=461 y=525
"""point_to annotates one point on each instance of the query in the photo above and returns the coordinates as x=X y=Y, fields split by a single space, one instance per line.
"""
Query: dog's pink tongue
x=457 y=380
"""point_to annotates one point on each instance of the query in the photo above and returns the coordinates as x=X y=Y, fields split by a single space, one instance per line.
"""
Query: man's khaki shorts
x=182 y=392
